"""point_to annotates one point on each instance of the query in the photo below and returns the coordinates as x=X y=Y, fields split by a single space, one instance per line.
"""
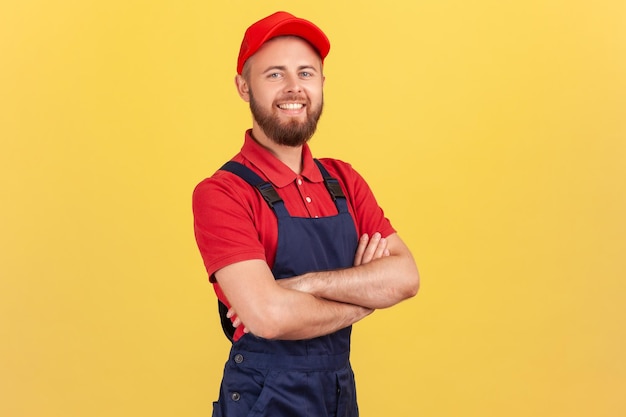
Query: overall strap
x=265 y=188
x=334 y=188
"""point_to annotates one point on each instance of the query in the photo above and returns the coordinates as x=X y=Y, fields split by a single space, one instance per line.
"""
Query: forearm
x=381 y=283
x=271 y=311
x=300 y=316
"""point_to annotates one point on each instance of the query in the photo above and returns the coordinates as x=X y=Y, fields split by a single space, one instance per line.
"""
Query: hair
x=245 y=72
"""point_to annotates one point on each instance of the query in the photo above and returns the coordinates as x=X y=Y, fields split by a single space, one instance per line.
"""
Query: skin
x=287 y=70
x=282 y=69
x=367 y=250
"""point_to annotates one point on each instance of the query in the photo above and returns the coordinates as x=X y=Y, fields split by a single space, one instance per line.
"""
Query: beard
x=292 y=133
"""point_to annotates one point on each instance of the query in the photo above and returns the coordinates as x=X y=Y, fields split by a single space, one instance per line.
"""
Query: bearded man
x=297 y=249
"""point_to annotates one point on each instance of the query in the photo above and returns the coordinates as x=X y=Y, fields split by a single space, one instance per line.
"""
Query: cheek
x=316 y=93
x=266 y=98
x=263 y=92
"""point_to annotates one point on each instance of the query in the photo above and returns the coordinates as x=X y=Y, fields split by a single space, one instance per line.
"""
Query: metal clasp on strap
x=269 y=193
x=334 y=188
x=332 y=185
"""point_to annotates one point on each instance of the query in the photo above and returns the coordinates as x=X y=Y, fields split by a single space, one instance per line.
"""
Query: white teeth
x=291 y=106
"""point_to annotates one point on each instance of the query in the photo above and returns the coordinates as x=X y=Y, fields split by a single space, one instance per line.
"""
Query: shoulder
x=338 y=167
x=220 y=181
x=223 y=189
x=335 y=163
x=343 y=171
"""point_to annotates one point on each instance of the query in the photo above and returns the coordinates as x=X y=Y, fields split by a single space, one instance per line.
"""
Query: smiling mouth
x=291 y=106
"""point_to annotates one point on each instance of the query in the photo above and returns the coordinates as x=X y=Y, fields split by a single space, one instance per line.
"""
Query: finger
x=371 y=248
x=358 y=257
x=380 y=249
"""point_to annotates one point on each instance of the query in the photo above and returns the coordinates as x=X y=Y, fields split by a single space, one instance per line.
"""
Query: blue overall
x=281 y=378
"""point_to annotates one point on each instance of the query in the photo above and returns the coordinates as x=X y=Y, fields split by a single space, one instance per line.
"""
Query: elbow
x=266 y=332
x=409 y=287
x=412 y=290
x=409 y=279
x=413 y=285
x=266 y=326
x=397 y=294
x=406 y=291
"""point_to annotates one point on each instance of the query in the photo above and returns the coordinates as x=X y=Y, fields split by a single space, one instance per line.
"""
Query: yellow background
x=493 y=133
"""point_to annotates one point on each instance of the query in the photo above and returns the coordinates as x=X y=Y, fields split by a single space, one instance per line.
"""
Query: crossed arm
x=319 y=303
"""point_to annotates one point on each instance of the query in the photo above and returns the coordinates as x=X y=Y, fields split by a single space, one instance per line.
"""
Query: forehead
x=285 y=51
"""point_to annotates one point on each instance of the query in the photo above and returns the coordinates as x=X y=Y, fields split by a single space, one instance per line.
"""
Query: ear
x=242 y=88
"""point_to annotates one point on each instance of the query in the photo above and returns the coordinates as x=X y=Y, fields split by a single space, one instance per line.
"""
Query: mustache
x=293 y=97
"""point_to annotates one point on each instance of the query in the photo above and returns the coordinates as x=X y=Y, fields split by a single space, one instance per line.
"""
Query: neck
x=288 y=155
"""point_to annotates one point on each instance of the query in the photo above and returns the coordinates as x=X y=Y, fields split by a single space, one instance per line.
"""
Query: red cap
x=280 y=24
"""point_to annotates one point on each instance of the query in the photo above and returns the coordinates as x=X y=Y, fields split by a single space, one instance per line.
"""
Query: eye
x=274 y=75
x=306 y=74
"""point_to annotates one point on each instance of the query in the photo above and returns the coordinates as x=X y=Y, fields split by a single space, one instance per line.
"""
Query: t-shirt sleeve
x=224 y=224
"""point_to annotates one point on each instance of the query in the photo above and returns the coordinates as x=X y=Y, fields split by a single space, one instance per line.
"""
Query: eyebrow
x=274 y=67
x=284 y=68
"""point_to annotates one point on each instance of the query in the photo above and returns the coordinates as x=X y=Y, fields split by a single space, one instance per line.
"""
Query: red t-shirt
x=233 y=223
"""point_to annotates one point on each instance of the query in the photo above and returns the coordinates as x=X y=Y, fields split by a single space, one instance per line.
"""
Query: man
x=279 y=235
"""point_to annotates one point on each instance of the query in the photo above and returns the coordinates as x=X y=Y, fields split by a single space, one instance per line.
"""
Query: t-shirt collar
x=279 y=174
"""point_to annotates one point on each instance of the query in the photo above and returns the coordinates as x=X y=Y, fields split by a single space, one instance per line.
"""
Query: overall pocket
x=346 y=390
x=243 y=389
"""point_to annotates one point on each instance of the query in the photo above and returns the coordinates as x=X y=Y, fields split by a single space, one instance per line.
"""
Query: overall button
x=235 y=396
x=238 y=358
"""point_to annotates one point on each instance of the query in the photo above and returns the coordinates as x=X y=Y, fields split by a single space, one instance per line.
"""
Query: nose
x=292 y=84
